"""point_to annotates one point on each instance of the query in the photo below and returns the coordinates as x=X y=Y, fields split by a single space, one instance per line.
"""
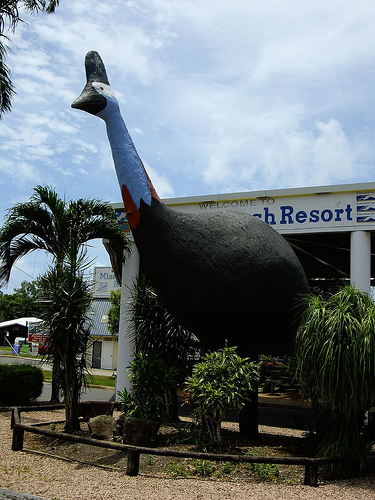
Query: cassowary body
x=225 y=276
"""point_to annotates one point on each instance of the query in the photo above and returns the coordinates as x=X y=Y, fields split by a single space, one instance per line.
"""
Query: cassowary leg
x=248 y=417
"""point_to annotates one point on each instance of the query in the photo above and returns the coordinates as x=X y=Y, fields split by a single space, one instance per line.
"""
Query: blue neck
x=129 y=167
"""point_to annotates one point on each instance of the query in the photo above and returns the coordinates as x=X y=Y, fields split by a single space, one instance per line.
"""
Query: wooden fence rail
x=311 y=464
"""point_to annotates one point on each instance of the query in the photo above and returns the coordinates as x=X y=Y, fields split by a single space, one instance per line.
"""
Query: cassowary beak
x=90 y=100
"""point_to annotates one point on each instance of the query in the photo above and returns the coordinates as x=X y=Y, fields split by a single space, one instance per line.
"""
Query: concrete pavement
x=13 y=495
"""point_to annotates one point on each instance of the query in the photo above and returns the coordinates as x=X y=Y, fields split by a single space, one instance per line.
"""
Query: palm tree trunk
x=71 y=405
x=56 y=381
x=71 y=389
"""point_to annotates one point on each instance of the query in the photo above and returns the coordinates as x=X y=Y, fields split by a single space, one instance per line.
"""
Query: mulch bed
x=270 y=443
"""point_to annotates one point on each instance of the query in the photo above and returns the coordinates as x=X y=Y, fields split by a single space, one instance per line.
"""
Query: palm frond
x=51 y=7
x=153 y=328
x=7 y=90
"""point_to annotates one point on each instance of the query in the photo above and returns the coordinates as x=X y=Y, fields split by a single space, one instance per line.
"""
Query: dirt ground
x=91 y=473
x=272 y=442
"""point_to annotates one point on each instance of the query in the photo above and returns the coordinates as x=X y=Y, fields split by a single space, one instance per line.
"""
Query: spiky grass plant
x=335 y=348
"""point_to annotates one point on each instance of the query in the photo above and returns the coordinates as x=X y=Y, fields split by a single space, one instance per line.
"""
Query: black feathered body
x=225 y=276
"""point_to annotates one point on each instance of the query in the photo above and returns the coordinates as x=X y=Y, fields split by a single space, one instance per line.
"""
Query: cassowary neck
x=132 y=177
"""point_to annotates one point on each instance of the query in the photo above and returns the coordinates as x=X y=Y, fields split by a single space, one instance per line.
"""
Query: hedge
x=20 y=384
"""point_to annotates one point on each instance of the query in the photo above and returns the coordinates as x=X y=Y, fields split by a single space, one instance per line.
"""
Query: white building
x=103 y=349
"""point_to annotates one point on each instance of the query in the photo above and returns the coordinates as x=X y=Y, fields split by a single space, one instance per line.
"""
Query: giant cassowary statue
x=224 y=276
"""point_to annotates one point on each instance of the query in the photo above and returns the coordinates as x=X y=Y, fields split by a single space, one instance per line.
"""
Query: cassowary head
x=97 y=94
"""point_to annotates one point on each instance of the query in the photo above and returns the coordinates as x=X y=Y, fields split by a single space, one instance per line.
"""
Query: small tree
x=63 y=229
x=222 y=380
x=155 y=330
x=67 y=299
x=114 y=312
x=335 y=348
x=151 y=379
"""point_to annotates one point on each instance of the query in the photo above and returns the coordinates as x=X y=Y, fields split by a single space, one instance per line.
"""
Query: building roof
x=98 y=317
x=19 y=321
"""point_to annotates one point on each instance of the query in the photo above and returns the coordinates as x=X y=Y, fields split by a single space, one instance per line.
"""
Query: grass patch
x=7 y=351
x=102 y=380
x=201 y=468
x=47 y=375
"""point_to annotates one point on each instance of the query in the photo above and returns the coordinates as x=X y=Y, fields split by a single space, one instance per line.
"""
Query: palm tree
x=47 y=222
x=67 y=297
x=9 y=11
x=335 y=348
x=62 y=229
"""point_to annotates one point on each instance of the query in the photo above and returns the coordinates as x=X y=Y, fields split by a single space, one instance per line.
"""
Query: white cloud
x=160 y=182
x=219 y=96
x=19 y=172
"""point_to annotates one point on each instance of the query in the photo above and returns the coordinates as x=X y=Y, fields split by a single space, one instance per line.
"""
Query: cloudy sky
x=218 y=96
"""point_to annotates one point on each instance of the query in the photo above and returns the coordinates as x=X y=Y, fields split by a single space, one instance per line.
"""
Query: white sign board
x=293 y=210
x=104 y=282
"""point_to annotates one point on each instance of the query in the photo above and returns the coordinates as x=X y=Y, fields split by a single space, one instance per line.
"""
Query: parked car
x=44 y=348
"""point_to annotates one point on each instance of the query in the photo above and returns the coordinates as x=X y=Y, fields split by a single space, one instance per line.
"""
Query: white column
x=360 y=260
x=125 y=347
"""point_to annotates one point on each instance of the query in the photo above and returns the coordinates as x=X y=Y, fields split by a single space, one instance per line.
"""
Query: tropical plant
x=47 y=222
x=61 y=228
x=151 y=380
x=222 y=380
x=9 y=18
x=154 y=329
x=67 y=297
x=142 y=406
x=335 y=347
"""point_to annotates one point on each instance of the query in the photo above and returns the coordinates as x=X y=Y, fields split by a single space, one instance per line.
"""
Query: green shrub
x=151 y=379
x=264 y=472
x=222 y=380
x=20 y=384
x=227 y=468
x=175 y=468
x=202 y=468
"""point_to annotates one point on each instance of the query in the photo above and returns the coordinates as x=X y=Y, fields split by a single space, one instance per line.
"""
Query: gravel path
x=56 y=480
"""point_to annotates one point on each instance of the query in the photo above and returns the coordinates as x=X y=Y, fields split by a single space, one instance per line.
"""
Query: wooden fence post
x=17 y=441
x=132 y=466
x=311 y=474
